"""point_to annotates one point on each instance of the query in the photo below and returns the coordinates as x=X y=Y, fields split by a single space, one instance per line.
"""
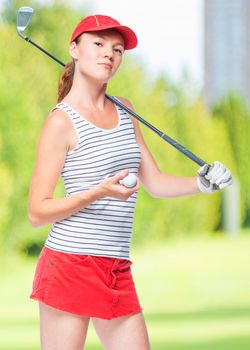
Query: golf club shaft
x=165 y=137
x=168 y=139
x=44 y=51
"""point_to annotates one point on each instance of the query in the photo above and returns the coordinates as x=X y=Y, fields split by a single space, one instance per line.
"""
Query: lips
x=108 y=65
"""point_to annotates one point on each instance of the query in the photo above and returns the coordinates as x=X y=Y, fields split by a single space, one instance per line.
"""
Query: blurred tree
x=234 y=112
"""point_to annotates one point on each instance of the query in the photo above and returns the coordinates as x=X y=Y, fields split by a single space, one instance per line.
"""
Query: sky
x=170 y=33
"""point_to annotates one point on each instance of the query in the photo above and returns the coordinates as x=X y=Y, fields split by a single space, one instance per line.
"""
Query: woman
x=83 y=270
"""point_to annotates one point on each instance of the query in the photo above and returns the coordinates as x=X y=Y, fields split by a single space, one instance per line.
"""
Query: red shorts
x=85 y=285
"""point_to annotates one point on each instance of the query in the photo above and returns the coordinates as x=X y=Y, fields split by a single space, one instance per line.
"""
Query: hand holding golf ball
x=129 y=181
x=122 y=185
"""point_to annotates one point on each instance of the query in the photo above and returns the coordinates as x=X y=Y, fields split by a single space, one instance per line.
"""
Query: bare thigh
x=61 y=330
x=123 y=333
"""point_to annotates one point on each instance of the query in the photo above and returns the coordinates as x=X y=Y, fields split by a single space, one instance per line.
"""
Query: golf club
x=24 y=15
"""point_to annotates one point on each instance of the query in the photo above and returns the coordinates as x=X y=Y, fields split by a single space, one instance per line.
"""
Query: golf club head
x=24 y=15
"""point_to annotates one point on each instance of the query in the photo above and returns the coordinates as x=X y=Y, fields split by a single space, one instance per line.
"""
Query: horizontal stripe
x=108 y=206
x=87 y=233
x=104 y=222
x=84 y=145
x=104 y=158
x=89 y=239
x=88 y=243
x=73 y=170
x=88 y=210
x=86 y=227
x=125 y=145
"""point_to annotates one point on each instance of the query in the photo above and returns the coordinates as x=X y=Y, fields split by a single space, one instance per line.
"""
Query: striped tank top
x=104 y=227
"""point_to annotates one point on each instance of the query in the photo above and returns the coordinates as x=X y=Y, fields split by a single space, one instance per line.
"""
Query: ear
x=73 y=50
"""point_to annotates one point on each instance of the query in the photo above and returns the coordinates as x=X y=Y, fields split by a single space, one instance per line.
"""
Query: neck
x=93 y=92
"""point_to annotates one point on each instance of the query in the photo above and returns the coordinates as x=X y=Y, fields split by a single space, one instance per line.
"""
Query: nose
x=108 y=52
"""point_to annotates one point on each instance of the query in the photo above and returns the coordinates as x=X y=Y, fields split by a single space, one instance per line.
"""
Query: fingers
x=137 y=185
x=131 y=190
x=114 y=189
x=214 y=177
x=119 y=176
x=204 y=169
x=216 y=170
x=224 y=178
x=123 y=192
x=225 y=184
x=218 y=174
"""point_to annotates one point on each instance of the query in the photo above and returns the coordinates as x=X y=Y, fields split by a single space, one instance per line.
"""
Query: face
x=98 y=55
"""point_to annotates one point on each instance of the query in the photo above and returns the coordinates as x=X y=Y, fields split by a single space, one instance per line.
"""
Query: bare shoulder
x=125 y=101
x=58 y=119
x=58 y=130
x=128 y=104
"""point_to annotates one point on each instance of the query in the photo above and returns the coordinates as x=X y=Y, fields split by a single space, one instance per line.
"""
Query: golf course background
x=195 y=294
x=193 y=280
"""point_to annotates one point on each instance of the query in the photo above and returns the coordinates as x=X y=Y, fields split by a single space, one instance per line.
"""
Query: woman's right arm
x=52 y=149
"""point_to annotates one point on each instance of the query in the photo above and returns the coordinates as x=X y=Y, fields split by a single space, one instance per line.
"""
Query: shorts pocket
x=70 y=259
x=39 y=270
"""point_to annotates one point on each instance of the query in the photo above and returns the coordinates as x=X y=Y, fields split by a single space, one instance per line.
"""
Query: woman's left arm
x=162 y=185
x=155 y=182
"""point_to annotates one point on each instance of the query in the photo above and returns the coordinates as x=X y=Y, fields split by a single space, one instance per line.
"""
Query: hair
x=66 y=78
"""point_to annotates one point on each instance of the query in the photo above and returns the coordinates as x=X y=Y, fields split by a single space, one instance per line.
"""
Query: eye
x=119 y=51
x=97 y=43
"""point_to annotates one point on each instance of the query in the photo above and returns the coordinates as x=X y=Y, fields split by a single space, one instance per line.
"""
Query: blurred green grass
x=195 y=293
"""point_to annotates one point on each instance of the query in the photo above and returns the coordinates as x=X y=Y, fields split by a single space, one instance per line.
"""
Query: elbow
x=153 y=186
x=153 y=190
x=158 y=193
x=152 y=193
x=34 y=220
x=34 y=214
x=155 y=194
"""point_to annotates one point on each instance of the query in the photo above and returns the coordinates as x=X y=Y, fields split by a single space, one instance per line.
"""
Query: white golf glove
x=213 y=177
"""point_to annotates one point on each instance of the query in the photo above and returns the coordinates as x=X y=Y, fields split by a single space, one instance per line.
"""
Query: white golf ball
x=129 y=181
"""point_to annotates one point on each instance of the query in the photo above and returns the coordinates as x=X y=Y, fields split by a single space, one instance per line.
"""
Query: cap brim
x=130 y=38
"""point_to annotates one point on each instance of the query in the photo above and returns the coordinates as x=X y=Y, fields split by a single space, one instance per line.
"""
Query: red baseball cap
x=100 y=22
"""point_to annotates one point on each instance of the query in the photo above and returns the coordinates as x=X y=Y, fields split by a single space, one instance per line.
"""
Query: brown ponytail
x=65 y=81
